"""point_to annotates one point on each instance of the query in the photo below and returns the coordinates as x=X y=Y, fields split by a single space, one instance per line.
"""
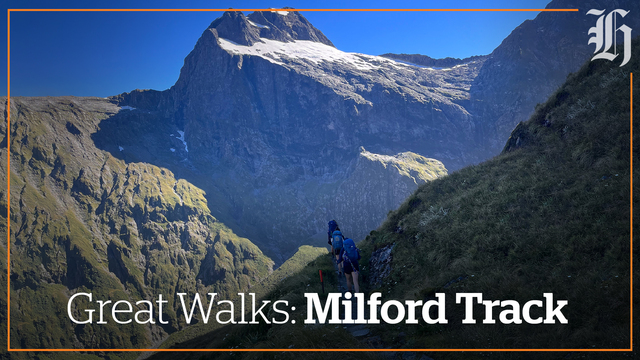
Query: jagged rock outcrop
x=380 y=265
x=234 y=26
x=286 y=27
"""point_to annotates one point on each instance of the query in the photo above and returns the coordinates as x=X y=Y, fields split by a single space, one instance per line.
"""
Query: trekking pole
x=321 y=282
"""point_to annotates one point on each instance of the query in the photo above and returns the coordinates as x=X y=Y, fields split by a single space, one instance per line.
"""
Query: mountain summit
x=284 y=26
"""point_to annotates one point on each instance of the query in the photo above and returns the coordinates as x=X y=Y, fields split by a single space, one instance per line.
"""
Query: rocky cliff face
x=265 y=105
x=84 y=221
x=358 y=192
x=275 y=123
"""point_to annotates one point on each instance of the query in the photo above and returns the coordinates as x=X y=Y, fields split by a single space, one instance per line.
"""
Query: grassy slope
x=197 y=336
x=262 y=336
x=550 y=214
x=82 y=220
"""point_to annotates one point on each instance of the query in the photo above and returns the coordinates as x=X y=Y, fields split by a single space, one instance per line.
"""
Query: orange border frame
x=273 y=350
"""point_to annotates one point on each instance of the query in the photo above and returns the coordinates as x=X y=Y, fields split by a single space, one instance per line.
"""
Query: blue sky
x=107 y=53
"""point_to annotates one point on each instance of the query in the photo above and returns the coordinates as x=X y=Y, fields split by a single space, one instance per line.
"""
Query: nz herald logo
x=605 y=35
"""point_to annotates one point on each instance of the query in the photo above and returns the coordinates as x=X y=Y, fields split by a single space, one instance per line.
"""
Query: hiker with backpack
x=337 y=240
x=333 y=225
x=349 y=255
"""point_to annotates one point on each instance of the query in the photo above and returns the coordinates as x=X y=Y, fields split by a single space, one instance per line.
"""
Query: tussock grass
x=550 y=214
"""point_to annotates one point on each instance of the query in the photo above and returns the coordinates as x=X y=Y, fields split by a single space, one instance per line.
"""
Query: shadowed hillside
x=550 y=214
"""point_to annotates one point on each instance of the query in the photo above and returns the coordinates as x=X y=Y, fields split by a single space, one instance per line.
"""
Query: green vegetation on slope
x=411 y=165
x=84 y=221
x=283 y=286
x=199 y=335
x=549 y=215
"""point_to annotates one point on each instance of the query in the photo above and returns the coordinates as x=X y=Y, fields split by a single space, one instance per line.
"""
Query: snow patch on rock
x=283 y=13
x=279 y=52
x=257 y=25
x=181 y=138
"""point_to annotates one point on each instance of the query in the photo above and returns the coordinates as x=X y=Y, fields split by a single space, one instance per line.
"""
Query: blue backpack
x=337 y=240
x=350 y=250
x=332 y=227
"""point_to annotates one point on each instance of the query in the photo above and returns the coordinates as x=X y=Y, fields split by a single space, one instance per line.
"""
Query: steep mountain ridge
x=532 y=62
x=83 y=220
x=550 y=214
x=425 y=60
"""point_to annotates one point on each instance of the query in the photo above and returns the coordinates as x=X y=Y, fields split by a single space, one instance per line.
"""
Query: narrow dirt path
x=357 y=330
x=362 y=331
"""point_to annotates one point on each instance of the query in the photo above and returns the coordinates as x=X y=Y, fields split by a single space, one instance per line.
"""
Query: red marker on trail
x=321 y=282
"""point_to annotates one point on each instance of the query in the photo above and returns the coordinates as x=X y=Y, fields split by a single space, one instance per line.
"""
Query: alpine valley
x=269 y=132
